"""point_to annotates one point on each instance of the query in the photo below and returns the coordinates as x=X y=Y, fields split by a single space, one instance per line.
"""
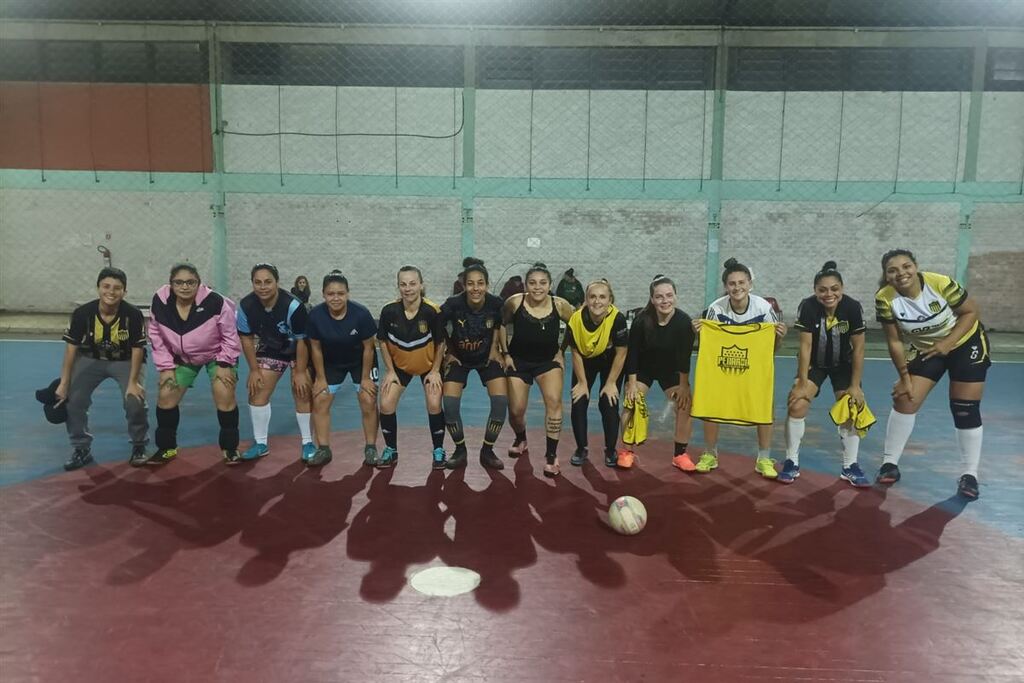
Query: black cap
x=57 y=414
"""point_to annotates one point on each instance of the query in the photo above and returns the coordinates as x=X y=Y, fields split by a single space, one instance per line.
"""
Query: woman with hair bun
x=535 y=353
x=831 y=328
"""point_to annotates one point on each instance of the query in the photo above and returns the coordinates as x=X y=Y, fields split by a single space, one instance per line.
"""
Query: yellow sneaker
x=708 y=461
x=766 y=468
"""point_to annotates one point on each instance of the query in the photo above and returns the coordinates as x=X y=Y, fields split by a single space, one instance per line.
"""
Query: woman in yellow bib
x=660 y=345
x=933 y=314
x=598 y=336
x=740 y=307
x=831 y=328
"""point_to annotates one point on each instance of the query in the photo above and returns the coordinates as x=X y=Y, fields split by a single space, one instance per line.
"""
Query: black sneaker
x=968 y=487
x=80 y=457
x=611 y=458
x=138 y=457
x=232 y=457
x=458 y=457
x=162 y=456
x=888 y=474
x=489 y=460
x=321 y=457
x=579 y=457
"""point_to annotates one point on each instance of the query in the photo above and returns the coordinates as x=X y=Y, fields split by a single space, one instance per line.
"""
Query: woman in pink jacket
x=192 y=328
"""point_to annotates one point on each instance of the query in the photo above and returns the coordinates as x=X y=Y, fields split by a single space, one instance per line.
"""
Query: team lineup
x=931 y=327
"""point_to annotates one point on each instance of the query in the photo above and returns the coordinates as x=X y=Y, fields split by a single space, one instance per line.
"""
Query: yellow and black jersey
x=735 y=373
x=928 y=318
x=106 y=341
x=411 y=342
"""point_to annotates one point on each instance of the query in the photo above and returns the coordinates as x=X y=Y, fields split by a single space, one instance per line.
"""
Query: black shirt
x=830 y=342
x=534 y=340
x=106 y=341
x=277 y=328
x=468 y=333
x=660 y=349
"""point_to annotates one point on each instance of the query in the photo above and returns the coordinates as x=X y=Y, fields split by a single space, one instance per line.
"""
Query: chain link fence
x=623 y=140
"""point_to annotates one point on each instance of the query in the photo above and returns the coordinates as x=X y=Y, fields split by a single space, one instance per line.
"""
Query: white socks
x=897 y=433
x=260 y=422
x=969 y=441
x=794 y=435
x=304 y=429
x=851 y=445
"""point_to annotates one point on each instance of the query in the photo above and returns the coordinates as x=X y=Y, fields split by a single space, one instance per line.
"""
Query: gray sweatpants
x=86 y=375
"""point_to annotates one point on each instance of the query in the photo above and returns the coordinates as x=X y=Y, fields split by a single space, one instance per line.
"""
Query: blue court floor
x=31 y=448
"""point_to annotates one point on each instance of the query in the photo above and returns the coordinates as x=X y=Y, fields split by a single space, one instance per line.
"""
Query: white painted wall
x=786 y=243
x=48 y=240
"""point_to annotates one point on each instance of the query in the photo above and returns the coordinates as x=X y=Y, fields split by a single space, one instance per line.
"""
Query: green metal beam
x=468 y=148
x=217 y=196
x=715 y=184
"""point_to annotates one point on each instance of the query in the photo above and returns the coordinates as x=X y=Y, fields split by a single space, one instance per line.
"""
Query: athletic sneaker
x=518 y=449
x=256 y=451
x=458 y=458
x=707 y=462
x=138 y=457
x=968 y=487
x=308 y=449
x=683 y=462
x=578 y=457
x=888 y=474
x=388 y=458
x=766 y=468
x=490 y=460
x=162 y=456
x=611 y=458
x=80 y=457
x=321 y=456
x=625 y=458
x=440 y=460
x=855 y=475
x=370 y=455
x=232 y=457
x=790 y=472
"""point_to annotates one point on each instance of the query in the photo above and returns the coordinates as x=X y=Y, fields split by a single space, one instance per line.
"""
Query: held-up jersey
x=735 y=373
x=928 y=318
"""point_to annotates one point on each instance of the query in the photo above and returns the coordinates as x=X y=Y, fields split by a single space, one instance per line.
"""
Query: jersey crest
x=734 y=359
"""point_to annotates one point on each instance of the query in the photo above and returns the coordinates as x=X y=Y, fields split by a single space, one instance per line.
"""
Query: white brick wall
x=786 y=243
x=624 y=241
x=368 y=239
x=48 y=240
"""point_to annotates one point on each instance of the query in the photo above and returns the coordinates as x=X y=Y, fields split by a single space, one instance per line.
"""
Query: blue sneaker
x=256 y=451
x=388 y=458
x=790 y=472
x=308 y=449
x=440 y=459
x=855 y=475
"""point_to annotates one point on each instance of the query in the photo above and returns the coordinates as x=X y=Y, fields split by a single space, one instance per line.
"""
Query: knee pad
x=966 y=414
x=499 y=405
x=452 y=406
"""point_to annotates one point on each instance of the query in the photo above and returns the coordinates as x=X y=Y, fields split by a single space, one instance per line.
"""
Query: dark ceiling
x=857 y=13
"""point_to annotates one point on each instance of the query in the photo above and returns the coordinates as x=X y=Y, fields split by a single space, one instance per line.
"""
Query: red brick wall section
x=105 y=127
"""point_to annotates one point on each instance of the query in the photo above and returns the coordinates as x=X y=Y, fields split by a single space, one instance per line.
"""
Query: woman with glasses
x=192 y=329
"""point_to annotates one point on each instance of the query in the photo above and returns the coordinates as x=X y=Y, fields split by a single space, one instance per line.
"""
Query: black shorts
x=404 y=377
x=968 y=362
x=528 y=371
x=666 y=380
x=453 y=372
x=840 y=376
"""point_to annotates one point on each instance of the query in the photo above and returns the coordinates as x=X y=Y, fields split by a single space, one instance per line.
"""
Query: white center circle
x=445 y=581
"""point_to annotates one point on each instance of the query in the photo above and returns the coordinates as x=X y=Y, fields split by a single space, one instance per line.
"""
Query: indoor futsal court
x=473 y=187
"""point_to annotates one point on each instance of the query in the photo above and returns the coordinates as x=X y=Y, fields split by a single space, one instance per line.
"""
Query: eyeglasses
x=184 y=283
